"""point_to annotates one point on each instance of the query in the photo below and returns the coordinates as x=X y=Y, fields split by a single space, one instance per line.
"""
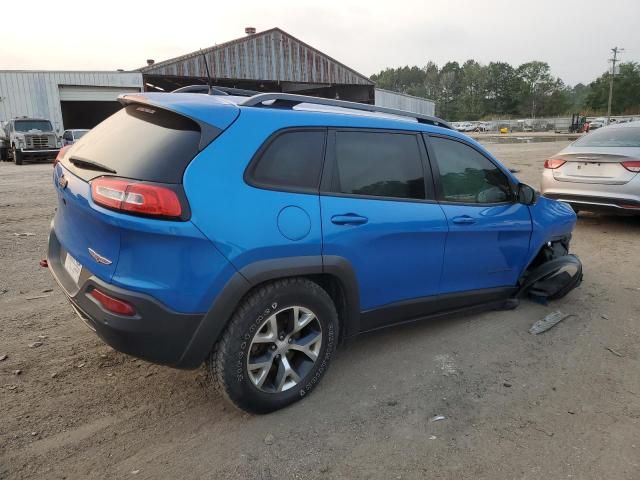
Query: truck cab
x=31 y=139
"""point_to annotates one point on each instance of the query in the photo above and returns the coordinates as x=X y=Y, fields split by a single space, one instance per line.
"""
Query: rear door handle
x=464 y=220
x=349 y=219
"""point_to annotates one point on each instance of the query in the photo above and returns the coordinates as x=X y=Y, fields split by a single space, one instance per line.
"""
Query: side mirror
x=526 y=194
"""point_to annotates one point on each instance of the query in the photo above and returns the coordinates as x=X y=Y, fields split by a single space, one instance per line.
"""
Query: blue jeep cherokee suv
x=255 y=234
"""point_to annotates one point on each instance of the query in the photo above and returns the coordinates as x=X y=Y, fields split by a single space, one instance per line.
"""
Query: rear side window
x=467 y=176
x=611 y=137
x=140 y=142
x=378 y=164
x=291 y=160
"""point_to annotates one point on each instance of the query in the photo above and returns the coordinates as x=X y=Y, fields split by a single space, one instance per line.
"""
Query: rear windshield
x=141 y=142
x=611 y=137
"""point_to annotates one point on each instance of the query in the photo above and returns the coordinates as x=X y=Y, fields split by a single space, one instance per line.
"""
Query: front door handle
x=349 y=219
x=464 y=220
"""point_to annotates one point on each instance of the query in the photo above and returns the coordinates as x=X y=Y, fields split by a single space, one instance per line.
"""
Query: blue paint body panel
x=405 y=250
x=490 y=251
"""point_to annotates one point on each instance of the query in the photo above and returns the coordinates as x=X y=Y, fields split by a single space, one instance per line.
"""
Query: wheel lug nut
x=273 y=347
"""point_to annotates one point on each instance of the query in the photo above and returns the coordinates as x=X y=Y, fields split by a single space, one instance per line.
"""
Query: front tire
x=277 y=346
x=17 y=156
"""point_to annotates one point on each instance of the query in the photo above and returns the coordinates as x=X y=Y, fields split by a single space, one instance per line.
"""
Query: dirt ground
x=563 y=404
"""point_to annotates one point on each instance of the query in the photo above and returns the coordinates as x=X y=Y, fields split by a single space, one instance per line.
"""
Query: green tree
x=502 y=87
x=626 y=91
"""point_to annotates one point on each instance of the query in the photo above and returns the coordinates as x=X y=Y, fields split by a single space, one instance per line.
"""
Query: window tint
x=467 y=176
x=378 y=164
x=293 y=159
x=139 y=142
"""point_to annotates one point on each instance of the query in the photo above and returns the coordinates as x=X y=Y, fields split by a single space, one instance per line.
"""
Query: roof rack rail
x=291 y=100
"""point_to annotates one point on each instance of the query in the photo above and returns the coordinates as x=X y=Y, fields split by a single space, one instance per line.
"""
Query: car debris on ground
x=548 y=322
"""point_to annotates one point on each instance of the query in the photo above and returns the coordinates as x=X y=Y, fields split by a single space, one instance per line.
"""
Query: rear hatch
x=144 y=143
x=594 y=167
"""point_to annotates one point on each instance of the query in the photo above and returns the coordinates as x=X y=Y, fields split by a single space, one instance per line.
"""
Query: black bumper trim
x=156 y=333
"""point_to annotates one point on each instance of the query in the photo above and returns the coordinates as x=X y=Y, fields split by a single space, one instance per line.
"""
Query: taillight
x=113 y=305
x=136 y=197
x=554 y=163
x=632 y=165
x=61 y=153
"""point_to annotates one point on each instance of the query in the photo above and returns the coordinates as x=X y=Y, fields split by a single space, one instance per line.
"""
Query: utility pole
x=613 y=61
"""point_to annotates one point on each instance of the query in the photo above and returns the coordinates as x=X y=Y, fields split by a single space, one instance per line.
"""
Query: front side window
x=467 y=176
x=292 y=159
x=378 y=164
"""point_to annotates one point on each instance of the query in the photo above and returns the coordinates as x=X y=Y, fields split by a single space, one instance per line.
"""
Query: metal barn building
x=268 y=61
x=402 y=101
x=67 y=99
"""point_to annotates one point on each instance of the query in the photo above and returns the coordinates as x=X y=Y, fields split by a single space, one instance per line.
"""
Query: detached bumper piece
x=553 y=279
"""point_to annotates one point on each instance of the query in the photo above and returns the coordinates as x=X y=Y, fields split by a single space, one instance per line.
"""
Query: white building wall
x=401 y=101
x=37 y=94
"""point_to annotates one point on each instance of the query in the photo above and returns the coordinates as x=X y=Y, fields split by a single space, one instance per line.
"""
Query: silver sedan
x=598 y=172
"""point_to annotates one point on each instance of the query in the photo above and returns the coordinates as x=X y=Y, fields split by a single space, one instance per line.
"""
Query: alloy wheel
x=284 y=349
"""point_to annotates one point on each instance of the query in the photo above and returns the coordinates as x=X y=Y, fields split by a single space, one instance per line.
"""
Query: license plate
x=73 y=267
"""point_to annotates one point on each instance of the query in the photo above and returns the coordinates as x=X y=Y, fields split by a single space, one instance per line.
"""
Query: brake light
x=136 y=197
x=113 y=305
x=554 y=163
x=632 y=165
x=61 y=153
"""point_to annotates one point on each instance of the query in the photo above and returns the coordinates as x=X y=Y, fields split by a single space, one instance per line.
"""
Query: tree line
x=473 y=91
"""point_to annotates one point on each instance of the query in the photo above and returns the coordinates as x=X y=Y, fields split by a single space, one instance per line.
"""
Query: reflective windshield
x=611 y=137
x=27 y=125
x=79 y=134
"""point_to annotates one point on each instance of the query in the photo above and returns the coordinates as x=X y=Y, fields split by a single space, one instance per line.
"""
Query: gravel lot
x=564 y=404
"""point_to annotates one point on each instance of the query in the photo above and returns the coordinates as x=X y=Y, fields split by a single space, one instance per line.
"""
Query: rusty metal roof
x=271 y=55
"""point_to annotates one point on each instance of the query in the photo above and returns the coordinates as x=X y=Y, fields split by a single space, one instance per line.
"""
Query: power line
x=613 y=61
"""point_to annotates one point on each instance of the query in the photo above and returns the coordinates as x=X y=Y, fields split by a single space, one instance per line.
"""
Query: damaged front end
x=553 y=273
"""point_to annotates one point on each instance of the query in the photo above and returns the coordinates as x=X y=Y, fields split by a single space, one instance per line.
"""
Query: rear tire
x=276 y=347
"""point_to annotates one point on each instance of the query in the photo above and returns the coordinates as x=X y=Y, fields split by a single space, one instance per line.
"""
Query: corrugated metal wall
x=37 y=94
x=386 y=98
x=272 y=55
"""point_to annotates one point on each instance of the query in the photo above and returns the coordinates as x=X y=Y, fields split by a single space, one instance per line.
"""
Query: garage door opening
x=86 y=114
x=85 y=107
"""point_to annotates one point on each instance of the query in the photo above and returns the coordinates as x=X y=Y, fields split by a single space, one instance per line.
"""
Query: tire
x=17 y=156
x=3 y=154
x=246 y=340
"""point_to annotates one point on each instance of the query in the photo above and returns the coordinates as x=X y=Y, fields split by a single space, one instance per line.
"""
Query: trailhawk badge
x=99 y=258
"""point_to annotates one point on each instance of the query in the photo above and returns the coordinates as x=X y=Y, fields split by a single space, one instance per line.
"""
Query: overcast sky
x=574 y=37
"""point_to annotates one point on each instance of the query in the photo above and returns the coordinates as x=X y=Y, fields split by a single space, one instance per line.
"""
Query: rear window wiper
x=90 y=165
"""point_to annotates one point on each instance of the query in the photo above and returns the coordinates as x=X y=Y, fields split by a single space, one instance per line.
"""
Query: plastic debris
x=548 y=322
x=437 y=418
x=24 y=234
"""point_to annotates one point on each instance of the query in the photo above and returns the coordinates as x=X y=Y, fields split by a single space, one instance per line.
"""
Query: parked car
x=598 y=172
x=465 y=127
x=597 y=123
x=69 y=137
x=31 y=139
x=256 y=234
x=484 y=127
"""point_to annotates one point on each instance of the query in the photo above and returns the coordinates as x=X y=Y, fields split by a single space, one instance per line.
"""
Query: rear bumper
x=599 y=204
x=155 y=333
